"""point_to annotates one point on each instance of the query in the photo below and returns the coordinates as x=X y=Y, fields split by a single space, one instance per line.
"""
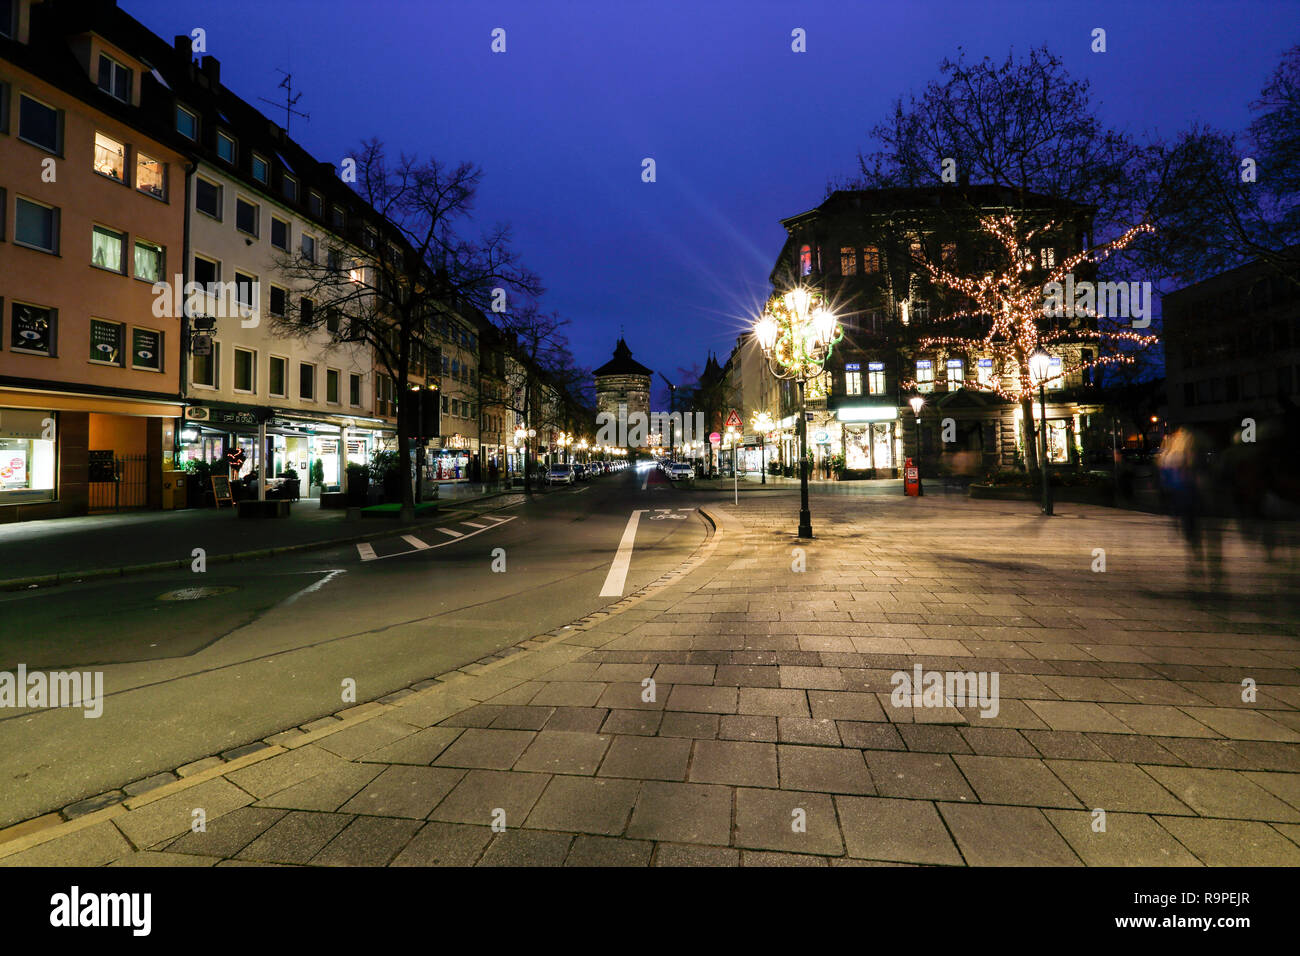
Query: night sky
x=743 y=130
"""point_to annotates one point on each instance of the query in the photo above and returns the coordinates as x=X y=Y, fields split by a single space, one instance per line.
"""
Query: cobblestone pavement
x=772 y=733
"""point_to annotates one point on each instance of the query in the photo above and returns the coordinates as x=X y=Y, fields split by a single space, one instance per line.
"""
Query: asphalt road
x=265 y=645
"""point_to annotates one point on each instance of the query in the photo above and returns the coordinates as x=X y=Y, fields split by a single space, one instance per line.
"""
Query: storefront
x=871 y=440
x=27 y=456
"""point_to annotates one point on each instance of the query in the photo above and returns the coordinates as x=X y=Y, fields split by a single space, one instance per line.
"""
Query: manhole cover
x=193 y=594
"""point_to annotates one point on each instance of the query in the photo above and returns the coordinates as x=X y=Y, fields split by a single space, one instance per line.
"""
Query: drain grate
x=194 y=594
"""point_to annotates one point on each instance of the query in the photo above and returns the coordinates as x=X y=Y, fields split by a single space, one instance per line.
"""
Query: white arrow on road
x=617 y=576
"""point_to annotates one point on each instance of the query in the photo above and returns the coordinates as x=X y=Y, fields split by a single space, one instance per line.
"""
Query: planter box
x=334 y=499
x=272 y=508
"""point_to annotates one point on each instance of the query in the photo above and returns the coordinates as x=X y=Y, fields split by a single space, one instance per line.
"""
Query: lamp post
x=1040 y=365
x=762 y=423
x=917 y=403
x=797 y=334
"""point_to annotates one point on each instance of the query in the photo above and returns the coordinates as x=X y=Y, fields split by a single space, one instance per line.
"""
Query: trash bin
x=173 y=491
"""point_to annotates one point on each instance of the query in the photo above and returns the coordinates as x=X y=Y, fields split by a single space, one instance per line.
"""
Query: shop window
x=150 y=176
x=226 y=147
x=261 y=169
x=108 y=249
x=876 y=378
x=332 y=386
x=27 y=439
x=307 y=381
x=925 y=375
x=147 y=350
x=956 y=374
x=106 y=342
x=278 y=373
x=279 y=234
x=187 y=123
x=36 y=225
x=245 y=370
x=114 y=79
x=205 y=369
x=39 y=124
x=207 y=198
x=848 y=261
x=246 y=217
x=110 y=158
x=33 y=329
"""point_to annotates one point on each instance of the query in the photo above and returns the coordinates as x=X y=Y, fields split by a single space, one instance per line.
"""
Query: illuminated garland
x=797 y=352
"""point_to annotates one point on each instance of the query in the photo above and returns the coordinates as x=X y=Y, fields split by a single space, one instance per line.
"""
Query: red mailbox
x=911 y=479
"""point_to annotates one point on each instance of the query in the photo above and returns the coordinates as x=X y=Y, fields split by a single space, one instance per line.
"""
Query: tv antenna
x=290 y=100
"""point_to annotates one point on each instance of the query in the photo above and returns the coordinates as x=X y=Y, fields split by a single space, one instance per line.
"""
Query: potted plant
x=198 y=484
x=358 y=483
x=385 y=471
x=837 y=467
x=317 y=475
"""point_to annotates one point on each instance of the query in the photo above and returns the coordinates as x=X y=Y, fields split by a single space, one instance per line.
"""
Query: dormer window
x=187 y=123
x=226 y=147
x=316 y=205
x=114 y=79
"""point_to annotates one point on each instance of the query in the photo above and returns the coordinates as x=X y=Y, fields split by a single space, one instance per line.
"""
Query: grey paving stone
x=296 y=837
x=787 y=820
x=682 y=813
x=525 y=717
x=758 y=675
x=402 y=791
x=445 y=844
x=527 y=848
x=480 y=715
x=678 y=724
x=1006 y=836
x=734 y=762
x=904 y=831
x=702 y=699
x=486 y=749
x=1130 y=839
x=1232 y=842
x=930 y=738
x=228 y=834
x=916 y=775
x=367 y=736
x=588 y=850
x=325 y=792
x=586 y=719
x=773 y=702
x=479 y=797
x=284 y=770
x=585 y=805
x=745 y=727
x=629 y=696
x=1015 y=780
x=367 y=841
x=1223 y=793
x=564 y=751
x=685 y=674
x=678 y=854
x=94 y=845
x=1134 y=748
x=1067 y=745
x=997 y=742
x=98 y=802
x=152 y=859
x=822 y=678
x=647 y=758
x=867 y=736
x=644 y=722
x=420 y=748
x=827 y=769
x=174 y=814
x=845 y=705
x=569 y=694
x=766 y=858
x=1115 y=787
x=820 y=732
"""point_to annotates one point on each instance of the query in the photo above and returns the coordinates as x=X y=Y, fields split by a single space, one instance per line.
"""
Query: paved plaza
x=1136 y=709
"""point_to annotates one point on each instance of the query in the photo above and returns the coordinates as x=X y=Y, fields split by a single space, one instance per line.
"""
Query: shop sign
x=822 y=438
x=106 y=342
x=201 y=345
x=31 y=330
x=146 y=349
x=13 y=468
x=867 y=413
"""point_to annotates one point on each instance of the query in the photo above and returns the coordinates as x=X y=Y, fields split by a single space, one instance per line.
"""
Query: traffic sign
x=715 y=439
x=733 y=420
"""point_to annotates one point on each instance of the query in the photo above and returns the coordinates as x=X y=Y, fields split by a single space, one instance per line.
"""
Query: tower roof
x=622 y=363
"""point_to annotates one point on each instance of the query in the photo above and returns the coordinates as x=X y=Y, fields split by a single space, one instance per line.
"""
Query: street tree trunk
x=1029 y=435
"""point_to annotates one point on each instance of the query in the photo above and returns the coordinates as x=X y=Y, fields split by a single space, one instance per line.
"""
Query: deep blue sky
x=743 y=130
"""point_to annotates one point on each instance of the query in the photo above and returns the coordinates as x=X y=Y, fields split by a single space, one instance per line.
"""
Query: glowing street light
x=1040 y=367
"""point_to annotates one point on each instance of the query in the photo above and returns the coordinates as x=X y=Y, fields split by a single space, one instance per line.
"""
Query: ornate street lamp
x=1040 y=366
x=797 y=334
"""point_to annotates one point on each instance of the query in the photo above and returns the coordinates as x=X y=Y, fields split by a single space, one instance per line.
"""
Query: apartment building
x=92 y=214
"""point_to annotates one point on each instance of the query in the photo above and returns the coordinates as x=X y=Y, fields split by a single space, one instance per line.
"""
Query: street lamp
x=797 y=334
x=917 y=403
x=762 y=423
x=1040 y=365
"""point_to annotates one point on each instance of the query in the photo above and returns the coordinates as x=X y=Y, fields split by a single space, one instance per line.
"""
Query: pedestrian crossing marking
x=414 y=542
x=454 y=534
x=367 y=551
x=473 y=525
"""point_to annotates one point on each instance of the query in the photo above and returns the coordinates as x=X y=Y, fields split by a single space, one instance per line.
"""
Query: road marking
x=367 y=551
x=617 y=576
x=316 y=586
x=454 y=534
x=414 y=542
x=433 y=547
x=645 y=481
x=473 y=525
x=580 y=491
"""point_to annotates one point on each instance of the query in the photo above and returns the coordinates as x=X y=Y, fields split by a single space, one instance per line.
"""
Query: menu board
x=105 y=342
x=146 y=349
x=221 y=490
x=32 y=330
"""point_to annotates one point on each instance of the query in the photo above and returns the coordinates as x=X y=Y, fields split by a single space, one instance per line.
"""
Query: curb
x=26 y=834
x=70 y=577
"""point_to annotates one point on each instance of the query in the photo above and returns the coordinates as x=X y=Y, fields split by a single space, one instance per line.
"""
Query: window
x=921 y=309
x=7 y=10
x=306 y=310
x=309 y=248
x=261 y=169
x=279 y=371
x=106 y=341
x=354 y=390
x=289 y=188
x=916 y=250
x=876 y=378
x=871 y=259
x=370 y=238
x=316 y=204
x=39 y=124
x=332 y=321
x=107 y=250
x=805 y=261
x=110 y=158
x=924 y=375
x=446 y=365
x=1026 y=259
x=114 y=79
x=187 y=123
x=334 y=260
x=245 y=370
x=33 y=329
x=146 y=350
x=204 y=369
x=307 y=381
x=984 y=371
x=338 y=218
x=1047 y=256
x=279 y=301
x=852 y=379
x=206 y=271
x=226 y=147
x=279 y=234
x=207 y=198
x=149 y=261
x=150 y=176
x=246 y=216
x=26 y=446
x=848 y=261
x=956 y=374
x=1054 y=377
x=36 y=226
x=444 y=404
x=332 y=386
x=246 y=293
x=4 y=100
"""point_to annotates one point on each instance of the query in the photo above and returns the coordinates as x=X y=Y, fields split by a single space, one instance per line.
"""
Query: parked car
x=680 y=471
x=560 y=475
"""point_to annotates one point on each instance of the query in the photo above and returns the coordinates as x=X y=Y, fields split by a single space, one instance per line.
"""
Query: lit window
x=852 y=379
x=876 y=378
x=1047 y=256
x=110 y=158
x=150 y=176
x=27 y=459
x=871 y=259
x=984 y=371
x=148 y=261
x=956 y=374
x=107 y=249
x=106 y=342
x=924 y=375
x=848 y=261
x=1054 y=377
x=114 y=79
x=1026 y=259
x=805 y=261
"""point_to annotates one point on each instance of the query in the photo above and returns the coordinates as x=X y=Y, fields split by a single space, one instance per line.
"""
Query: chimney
x=211 y=67
x=185 y=47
